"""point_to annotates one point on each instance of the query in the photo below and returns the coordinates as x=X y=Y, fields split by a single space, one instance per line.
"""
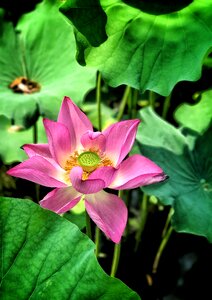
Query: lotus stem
x=161 y=249
x=143 y=218
x=167 y=222
x=165 y=237
x=152 y=99
x=116 y=253
x=88 y=225
x=166 y=106
x=98 y=100
x=123 y=102
x=97 y=240
x=116 y=257
x=134 y=104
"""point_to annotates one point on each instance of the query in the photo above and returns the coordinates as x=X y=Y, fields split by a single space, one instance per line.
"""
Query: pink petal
x=40 y=150
x=59 y=141
x=120 y=138
x=37 y=149
x=61 y=200
x=94 y=140
x=39 y=170
x=98 y=180
x=136 y=171
x=109 y=213
x=75 y=120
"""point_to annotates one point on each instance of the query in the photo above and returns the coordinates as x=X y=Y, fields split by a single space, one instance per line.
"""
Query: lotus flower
x=80 y=163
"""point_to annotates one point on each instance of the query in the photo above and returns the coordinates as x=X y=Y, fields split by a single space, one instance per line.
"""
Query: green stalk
x=37 y=192
x=116 y=257
x=143 y=215
x=97 y=240
x=134 y=103
x=152 y=99
x=168 y=220
x=116 y=253
x=166 y=106
x=98 y=100
x=123 y=102
x=167 y=230
x=130 y=104
x=161 y=249
x=88 y=225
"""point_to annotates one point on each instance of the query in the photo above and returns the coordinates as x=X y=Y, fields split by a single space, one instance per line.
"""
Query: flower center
x=89 y=161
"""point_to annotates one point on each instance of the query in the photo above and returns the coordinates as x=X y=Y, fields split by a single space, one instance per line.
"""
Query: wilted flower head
x=80 y=162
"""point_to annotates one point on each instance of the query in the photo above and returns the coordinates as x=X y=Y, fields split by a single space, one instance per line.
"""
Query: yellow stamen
x=89 y=160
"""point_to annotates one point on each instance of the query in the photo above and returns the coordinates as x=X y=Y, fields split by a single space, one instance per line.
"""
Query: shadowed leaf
x=187 y=161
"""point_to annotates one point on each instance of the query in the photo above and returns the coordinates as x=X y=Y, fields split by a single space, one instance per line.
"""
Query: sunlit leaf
x=151 y=44
x=13 y=137
x=40 y=48
x=197 y=116
x=188 y=163
x=44 y=256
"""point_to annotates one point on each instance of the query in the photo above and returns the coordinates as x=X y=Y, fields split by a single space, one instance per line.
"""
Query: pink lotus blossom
x=80 y=163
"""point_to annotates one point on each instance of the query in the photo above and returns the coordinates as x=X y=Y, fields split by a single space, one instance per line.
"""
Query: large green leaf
x=151 y=44
x=44 y=256
x=42 y=48
x=187 y=161
x=197 y=116
x=13 y=137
